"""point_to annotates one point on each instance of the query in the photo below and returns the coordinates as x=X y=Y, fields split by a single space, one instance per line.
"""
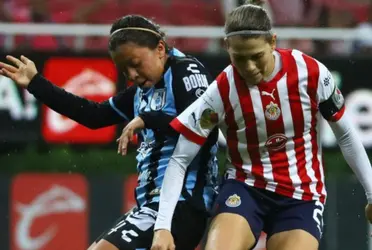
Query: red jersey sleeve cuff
x=185 y=131
x=338 y=115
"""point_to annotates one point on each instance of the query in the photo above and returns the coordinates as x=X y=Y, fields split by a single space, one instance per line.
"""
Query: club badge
x=272 y=111
x=233 y=201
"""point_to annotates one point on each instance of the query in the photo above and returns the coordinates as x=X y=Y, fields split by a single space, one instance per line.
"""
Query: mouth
x=252 y=76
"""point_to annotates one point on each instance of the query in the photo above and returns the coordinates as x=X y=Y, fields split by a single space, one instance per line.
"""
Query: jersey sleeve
x=159 y=122
x=123 y=103
x=91 y=114
x=354 y=152
x=183 y=154
x=190 y=81
x=201 y=117
x=331 y=101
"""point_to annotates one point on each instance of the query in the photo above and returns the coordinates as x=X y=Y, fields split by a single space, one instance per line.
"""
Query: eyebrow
x=128 y=61
x=247 y=54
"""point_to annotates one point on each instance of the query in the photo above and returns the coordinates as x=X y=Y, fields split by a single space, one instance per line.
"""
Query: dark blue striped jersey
x=184 y=80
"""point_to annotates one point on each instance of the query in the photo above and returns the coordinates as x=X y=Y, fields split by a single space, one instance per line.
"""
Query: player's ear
x=226 y=42
x=273 y=42
x=161 y=49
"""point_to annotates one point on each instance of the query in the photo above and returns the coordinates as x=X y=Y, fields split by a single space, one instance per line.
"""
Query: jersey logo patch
x=276 y=142
x=233 y=201
x=208 y=119
x=193 y=67
x=272 y=111
x=195 y=81
x=158 y=99
x=264 y=93
x=338 y=99
x=199 y=92
x=327 y=80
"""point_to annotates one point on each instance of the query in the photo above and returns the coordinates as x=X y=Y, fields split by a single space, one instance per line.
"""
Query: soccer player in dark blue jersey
x=165 y=83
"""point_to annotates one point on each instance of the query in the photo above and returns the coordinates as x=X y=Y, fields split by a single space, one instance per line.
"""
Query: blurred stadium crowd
x=293 y=13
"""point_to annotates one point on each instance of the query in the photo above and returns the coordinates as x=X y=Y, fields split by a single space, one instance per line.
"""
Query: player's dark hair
x=249 y=17
x=144 y=38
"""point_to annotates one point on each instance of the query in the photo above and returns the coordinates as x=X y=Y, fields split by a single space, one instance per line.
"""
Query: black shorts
x=135 y=229
x=269 y=212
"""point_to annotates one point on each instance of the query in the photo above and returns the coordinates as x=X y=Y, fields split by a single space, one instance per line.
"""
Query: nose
x=250 y=66
x=132 y=74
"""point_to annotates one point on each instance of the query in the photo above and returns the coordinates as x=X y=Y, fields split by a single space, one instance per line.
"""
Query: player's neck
x=165 y=58
x=165 y=62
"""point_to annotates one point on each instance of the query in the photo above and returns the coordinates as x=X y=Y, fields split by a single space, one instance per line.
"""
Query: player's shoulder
x=304 y=61
x=223 y=77
x=186 y=65
x=187 y=71
x=181 y=61
x=303 y=58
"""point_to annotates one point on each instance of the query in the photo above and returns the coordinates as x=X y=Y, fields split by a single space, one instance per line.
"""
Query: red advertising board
x=94 y=79
x=49 y=212
x=129 y=199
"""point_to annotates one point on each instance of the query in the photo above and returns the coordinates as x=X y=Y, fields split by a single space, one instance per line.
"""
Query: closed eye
x=257 y=56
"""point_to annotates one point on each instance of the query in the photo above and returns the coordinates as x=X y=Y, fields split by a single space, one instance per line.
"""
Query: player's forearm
x=88 y=113
x=183 y=155
x=170 y=193
x=354 y=153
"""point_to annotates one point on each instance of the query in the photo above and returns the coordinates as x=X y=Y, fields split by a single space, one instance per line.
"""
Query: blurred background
x=62 y=184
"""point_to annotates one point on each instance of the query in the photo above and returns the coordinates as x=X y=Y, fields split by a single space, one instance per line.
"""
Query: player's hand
x=163 y=240
x=368 y=211
x=127 y=135
x=21 y=73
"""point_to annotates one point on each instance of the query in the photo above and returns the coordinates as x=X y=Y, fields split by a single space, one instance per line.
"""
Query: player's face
x=252 y=57
x=141 y=65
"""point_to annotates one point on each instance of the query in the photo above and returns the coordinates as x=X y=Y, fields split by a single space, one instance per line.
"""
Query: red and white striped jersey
x=272 y=129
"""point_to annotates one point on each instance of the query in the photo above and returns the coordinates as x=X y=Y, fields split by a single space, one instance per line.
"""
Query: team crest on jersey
x=272 y=111
x=158 y=99
x=233 y=201
x=208 y=119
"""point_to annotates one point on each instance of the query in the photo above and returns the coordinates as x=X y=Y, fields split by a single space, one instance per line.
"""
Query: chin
x=254 y=80
x=148 y=85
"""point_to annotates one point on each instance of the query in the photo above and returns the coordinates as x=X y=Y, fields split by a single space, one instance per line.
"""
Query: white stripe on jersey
x=320 y=158
x=259 y=113
x=242 y=144
x=289 y=132
x=306 y=109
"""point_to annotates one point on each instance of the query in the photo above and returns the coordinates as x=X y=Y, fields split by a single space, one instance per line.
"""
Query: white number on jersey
x=318 y=216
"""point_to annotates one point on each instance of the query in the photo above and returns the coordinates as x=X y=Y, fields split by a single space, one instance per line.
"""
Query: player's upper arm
x=189 y=81
x=200 y=118
x=123 y=103
x=331 y=101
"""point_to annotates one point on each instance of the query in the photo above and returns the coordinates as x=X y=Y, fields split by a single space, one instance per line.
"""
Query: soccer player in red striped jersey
x=268 y=104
